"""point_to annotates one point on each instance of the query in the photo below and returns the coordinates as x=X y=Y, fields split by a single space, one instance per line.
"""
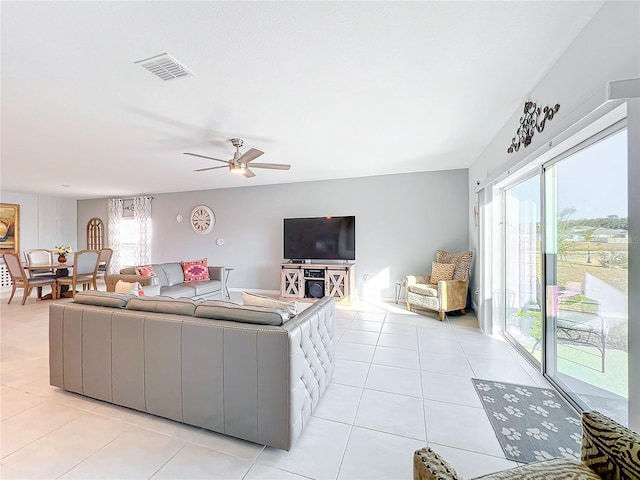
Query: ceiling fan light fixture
x=241 y=162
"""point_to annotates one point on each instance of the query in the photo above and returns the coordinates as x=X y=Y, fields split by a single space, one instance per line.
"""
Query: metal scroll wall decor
x=533 y=119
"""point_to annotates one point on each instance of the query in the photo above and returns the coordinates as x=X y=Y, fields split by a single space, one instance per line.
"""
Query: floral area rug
x=531 y=423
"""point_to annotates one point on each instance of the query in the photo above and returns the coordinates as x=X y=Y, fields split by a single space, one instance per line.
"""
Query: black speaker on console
x=314 y=289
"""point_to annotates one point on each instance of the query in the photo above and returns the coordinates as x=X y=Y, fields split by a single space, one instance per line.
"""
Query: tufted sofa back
x=256 y=382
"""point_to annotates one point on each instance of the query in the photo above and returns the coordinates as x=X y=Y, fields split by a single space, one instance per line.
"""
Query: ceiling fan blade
x=208 y=158
x=248 y=173
x=250 y=155
x=210 y=168
x=272 y=166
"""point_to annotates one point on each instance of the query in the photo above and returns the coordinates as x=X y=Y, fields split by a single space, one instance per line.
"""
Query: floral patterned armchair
x=446 y=288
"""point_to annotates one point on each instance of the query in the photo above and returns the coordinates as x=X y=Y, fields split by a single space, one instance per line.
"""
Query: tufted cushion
x=195 y=270
x=441 y=271
x=608 y=448
x=461 y=261
x=177 y=306
x=556 y=469
x=146 y=271
x=262 y=301
x=428 y=465
x=218 y=310
x=313 y=351
x=423 y=289
x=103 y=299
x=627 y=455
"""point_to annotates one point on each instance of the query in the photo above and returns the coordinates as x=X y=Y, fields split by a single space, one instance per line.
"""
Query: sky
x=592 y=180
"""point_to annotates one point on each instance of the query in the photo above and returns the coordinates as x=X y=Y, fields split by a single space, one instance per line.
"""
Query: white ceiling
x=337 y=89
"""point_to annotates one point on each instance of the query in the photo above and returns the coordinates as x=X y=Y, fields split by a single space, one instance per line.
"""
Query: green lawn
x=583 y=363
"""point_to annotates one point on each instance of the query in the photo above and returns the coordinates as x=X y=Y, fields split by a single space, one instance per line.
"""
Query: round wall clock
x=202 y=219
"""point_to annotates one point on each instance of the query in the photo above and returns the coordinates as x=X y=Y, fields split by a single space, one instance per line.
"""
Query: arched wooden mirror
x=95 y=229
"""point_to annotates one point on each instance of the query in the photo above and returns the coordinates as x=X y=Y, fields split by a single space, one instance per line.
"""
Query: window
x=129 y=235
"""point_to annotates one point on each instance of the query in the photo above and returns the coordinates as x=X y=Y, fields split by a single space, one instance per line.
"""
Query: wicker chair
x=445 y=295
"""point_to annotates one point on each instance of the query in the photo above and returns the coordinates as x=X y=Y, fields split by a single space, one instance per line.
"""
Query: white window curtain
x=142 y=217
x=114 y=217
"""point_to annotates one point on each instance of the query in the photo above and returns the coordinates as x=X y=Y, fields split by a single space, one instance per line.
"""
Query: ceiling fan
x=240 y=162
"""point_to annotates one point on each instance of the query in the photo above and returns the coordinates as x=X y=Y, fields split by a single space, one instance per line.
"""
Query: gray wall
x=44 y=221
x=400 y=221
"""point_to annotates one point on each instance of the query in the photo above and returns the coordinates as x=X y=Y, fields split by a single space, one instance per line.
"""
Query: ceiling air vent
x=165 y=67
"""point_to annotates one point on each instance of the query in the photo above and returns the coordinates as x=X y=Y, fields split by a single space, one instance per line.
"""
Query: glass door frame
x=547 y=364
x=549 y=262
x=527 y=174
x=592 y=116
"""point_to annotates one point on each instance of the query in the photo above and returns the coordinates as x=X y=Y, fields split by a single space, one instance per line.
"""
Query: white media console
x=315 y=280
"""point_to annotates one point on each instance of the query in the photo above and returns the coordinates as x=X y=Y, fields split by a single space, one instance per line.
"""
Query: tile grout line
x=45 y=434
x=353 y=424
x=424 y=413
x=165 y=463
x=93 y=453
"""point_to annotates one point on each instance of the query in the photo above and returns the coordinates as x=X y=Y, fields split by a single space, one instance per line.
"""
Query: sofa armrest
x=608 y=447
x=414 y=279
x=428 y=465
x=453 y=294
x=111 y=280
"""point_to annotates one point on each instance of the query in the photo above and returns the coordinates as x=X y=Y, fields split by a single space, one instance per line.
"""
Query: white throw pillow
x=129 y=288
x=262 y=301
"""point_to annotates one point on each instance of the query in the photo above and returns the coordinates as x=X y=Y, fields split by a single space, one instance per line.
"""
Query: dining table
x=59 y=270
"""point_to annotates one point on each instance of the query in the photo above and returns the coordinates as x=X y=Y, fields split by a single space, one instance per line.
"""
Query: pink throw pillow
x=195 y=271
x=146 y=271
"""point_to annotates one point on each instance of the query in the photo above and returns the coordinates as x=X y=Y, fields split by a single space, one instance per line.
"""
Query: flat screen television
x=320 y=238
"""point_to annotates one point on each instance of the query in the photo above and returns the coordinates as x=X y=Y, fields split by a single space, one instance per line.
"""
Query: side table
x=226 y=281
x=399 y=287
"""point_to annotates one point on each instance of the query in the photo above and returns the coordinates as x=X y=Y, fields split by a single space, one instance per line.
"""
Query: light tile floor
x=402 y=382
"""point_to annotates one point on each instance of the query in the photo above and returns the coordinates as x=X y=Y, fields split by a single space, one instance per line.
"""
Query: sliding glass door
x=521 y=297
x=586 y=274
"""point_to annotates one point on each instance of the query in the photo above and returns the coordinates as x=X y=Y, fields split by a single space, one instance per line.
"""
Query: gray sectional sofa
x=256 y=375
x=170 y=279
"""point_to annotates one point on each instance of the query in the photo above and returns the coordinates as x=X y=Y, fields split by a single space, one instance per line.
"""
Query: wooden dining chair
x=85 y=268
x=104 y=260
x=39 y=256
x=19 y=278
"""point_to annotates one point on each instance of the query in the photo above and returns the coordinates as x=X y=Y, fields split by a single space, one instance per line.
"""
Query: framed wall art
x=9 y=228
